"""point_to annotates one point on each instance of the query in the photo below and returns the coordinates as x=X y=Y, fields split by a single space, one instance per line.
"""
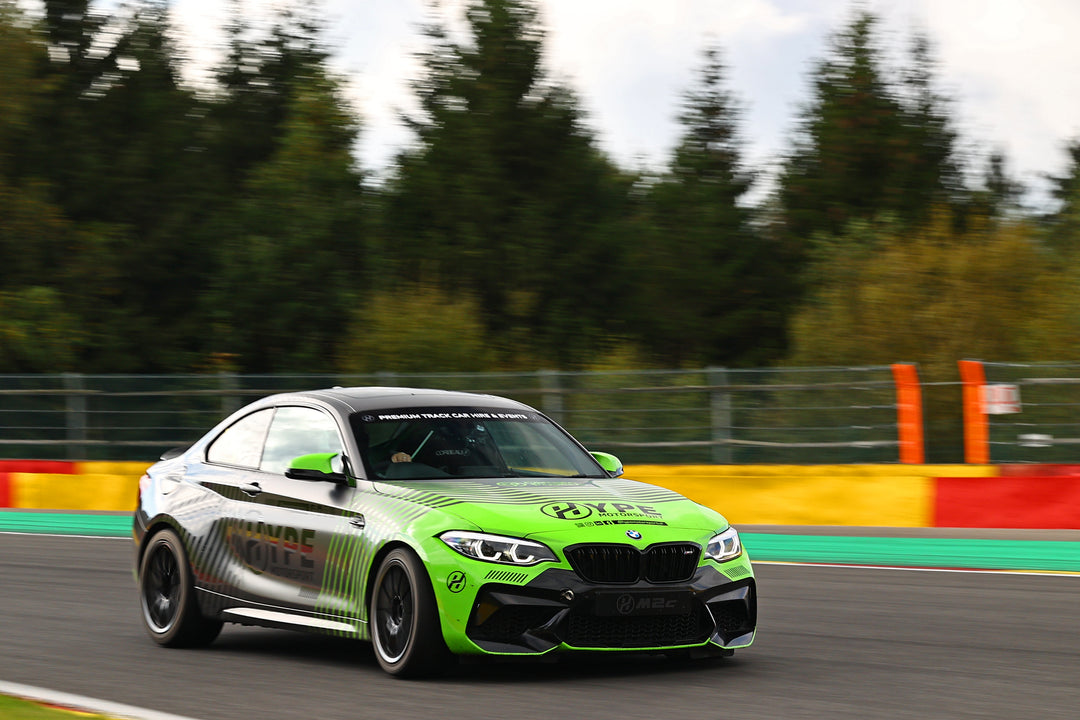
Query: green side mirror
x=609 y=462
x=318 y=467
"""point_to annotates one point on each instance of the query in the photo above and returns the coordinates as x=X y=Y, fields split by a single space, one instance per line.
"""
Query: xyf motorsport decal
x=590 y=514
x=280 y=550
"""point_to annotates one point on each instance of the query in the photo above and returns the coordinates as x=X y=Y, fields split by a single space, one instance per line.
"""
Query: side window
x=241 y=443
x=298 y=431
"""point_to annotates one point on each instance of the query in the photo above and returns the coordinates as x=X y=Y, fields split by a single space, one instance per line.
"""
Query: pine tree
x=868 y=145
x=292 y=253
x=714 y=285
x=505 y=196
x=1063 y=225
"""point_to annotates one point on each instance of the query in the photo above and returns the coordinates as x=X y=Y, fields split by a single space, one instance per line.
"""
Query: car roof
x=370 y=398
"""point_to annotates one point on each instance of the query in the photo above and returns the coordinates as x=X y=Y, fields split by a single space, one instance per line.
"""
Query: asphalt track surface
x=832 y=643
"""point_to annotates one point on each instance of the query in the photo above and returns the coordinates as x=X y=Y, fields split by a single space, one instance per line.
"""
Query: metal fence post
x=720 y=415
x=75 y=415
x=551 y=397
x=229 y=384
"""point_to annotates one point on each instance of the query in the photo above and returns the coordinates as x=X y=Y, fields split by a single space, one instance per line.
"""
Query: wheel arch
x=152 y=529
x=376 y=563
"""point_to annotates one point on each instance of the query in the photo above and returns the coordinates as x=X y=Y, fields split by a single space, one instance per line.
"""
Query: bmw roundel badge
x=633 y=534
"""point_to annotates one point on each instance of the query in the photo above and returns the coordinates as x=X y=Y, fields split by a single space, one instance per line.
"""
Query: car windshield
x=448 y=442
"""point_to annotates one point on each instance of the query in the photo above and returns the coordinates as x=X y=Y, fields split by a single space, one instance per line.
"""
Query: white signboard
x=1001 y=399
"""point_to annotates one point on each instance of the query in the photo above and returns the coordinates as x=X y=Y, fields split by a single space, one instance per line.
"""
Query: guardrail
x=710 y=415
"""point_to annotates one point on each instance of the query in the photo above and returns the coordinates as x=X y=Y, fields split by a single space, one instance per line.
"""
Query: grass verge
x=19 y=709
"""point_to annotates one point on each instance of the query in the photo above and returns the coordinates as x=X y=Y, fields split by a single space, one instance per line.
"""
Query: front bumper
x=557 y=609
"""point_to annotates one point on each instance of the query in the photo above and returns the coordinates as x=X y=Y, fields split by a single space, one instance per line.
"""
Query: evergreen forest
x=151 y=226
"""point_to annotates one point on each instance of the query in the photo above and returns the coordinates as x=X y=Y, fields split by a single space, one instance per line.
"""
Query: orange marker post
x=909 y=417
x=976 y=427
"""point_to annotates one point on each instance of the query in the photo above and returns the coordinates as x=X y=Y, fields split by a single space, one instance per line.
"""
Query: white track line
x=80 y=702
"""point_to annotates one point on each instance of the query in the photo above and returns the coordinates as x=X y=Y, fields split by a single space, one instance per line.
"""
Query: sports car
x=434 y=524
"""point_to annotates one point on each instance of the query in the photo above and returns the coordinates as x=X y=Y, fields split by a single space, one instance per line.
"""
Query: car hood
x=528 y=506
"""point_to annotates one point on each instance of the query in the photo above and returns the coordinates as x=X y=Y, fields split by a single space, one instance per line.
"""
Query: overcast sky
x=1013 y=66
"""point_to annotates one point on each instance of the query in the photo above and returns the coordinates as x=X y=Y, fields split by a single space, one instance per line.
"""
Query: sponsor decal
x=456 y=415
x=611 y=512
x=635 y=521
x=456 y=582
x=279 y=550
x=535 y=483
x=566 y=510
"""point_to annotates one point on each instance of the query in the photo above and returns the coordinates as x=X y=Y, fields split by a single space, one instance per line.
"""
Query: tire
x=405 y=630
x=170 y=612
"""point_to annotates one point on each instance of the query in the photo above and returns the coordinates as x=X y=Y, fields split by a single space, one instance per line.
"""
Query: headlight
x=498 y=549
x=724 y=546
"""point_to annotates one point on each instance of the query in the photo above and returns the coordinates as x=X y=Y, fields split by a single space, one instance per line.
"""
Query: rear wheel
x=167 y=596
x=404 y=618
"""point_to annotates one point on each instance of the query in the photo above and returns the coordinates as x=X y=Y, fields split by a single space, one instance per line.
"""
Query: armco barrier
x=986 y=496
x=856 y=495
x=1025 y=501
x=46 y=485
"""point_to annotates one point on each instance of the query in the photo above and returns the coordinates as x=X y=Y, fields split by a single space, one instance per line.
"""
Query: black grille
x=586 y=631
x=606 y=563
x=671 y=563
x=626 y=564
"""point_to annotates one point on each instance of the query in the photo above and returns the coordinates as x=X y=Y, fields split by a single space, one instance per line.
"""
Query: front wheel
x=167 y=596
x=404 y=618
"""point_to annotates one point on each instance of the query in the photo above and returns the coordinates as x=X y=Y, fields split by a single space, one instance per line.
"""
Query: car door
x=302 y=519
x=233 y=550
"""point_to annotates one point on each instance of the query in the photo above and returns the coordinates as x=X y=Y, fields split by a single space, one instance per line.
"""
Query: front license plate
x=628 y=604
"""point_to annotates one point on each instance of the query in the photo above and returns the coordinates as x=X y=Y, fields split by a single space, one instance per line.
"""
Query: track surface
x=832 y=643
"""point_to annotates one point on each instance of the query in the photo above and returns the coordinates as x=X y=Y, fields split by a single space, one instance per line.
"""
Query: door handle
x=358 y=522
x=251 y=489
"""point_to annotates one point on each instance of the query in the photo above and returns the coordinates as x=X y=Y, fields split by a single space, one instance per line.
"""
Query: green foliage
x=20 y=53
x=1063 y=226
x=710 y=288
x=505 y=197
x=147 y=227
x=416 y=329
x=291 y=255
x=934 y=296
x=37 y=333
x=867 y=144
x=257 y=80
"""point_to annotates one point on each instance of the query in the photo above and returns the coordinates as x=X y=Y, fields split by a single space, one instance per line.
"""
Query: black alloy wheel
x=167 y=595
x=161 y=588
x=404 y=618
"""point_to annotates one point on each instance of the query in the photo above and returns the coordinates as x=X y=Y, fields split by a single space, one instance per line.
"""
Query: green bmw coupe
x=433 y=524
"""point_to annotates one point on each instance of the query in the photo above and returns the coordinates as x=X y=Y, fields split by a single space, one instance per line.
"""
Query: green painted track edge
x=968 y=553
x=46 y=523
x=971 y=553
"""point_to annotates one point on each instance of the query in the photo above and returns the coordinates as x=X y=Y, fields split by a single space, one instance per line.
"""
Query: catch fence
x=1032 y=412
x=711 y=415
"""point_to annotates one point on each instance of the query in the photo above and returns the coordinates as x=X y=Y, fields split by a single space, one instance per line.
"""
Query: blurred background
x=160 y=215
